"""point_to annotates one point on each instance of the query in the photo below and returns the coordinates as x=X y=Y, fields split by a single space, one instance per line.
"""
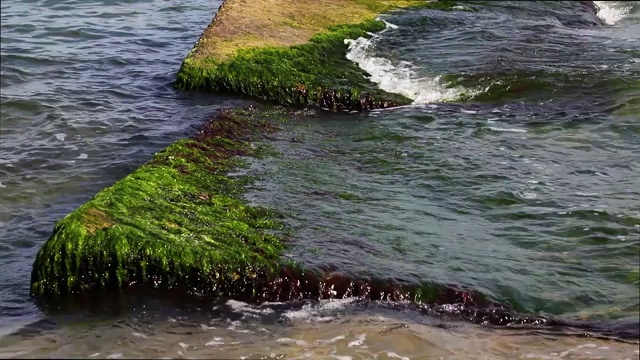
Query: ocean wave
x=612 y=12
x=399 y=78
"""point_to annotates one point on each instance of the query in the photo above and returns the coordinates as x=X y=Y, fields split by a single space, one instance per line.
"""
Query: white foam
x=527 y=195
x=217 y=341
x=587 y=194
x=400 y=79
x=235 y=326
x=497 y=129
x=309 y=311
x=329 y=341
x=394 y=355
x=611 y=11
x=358 y=341
x=242 y=307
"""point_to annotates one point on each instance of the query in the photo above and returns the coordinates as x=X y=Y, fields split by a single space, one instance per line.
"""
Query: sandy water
x=333 y=329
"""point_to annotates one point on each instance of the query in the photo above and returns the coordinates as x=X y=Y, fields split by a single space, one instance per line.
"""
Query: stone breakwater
x=179 y=223
x=291 y=52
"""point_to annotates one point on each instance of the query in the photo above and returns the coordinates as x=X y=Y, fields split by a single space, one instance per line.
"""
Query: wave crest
x=612 y=11
x=400 y=79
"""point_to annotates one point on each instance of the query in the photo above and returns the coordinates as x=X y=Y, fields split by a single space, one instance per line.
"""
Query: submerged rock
x=178 y=226
x=179 y=222
x=176 y=221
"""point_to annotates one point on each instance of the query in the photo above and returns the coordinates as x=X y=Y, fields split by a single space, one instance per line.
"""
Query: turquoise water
x=516 y=172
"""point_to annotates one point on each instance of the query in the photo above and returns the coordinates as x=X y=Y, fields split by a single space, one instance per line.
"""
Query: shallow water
x=516 y=173
x=329 y=330
x=531 y=197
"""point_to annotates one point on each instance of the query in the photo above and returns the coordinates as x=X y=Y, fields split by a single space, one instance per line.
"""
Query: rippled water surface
x=516 y=172
x=87 y=96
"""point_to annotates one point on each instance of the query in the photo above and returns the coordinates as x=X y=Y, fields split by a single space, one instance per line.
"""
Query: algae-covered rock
x=179 y=222
x=291 y=54
x=175 y=221
x=179 y=225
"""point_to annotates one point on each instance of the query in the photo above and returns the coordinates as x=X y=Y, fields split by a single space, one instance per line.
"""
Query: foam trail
x=611 y=11
x=399 y=79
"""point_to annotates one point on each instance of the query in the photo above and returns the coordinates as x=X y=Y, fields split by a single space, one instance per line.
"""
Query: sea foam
x=612 y=11
x=400 y=78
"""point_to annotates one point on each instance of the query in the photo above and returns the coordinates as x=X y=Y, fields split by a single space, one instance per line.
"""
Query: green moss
x=314 y=73
x=445 y=5
x=348 y=196
x=317 y=72
x=176 y=221
x=179 y=223
x=634 y=277
x=384 y=6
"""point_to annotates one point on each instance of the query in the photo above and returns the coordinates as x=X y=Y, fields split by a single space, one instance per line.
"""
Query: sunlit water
x=516 y=173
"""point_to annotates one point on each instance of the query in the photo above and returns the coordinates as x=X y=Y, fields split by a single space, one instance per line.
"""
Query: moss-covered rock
x=292 y=56
x=178 y=225
x=176 y=221
x=317 y=73
x=180 y=222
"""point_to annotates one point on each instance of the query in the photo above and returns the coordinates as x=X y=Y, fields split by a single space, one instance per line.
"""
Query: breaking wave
x=400 y=78
x=612 y=11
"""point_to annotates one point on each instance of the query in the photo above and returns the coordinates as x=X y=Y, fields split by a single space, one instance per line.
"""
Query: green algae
x=633 y=277
x=347 y=196
x=316 y=72
x=176 y=221
x=179 y=222
x=383 y=7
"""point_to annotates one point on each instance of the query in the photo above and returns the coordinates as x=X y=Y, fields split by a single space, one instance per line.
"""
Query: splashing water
x=612 y=11
x=399 y=78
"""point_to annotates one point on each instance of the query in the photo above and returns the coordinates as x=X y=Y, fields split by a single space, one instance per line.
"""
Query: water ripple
x=520 y=215
x=86 y=96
